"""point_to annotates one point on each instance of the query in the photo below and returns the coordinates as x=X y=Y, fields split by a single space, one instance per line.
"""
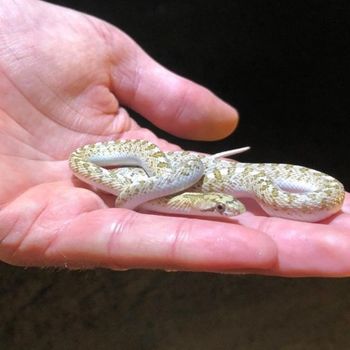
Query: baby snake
x=190 y=183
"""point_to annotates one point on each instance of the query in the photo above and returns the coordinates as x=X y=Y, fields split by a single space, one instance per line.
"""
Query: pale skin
x=63 y=79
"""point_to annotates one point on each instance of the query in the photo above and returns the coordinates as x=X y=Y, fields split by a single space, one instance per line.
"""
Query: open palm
x=63 y=76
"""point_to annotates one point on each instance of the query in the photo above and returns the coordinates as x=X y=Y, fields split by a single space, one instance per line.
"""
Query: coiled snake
x=190 y=183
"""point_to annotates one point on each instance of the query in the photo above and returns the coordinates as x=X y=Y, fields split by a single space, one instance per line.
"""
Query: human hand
x=63 y=77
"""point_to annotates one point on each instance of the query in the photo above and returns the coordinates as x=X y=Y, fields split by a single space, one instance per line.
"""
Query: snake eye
x=220 y=208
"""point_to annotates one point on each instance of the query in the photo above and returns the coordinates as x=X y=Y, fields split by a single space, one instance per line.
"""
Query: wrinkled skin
x=63 y=79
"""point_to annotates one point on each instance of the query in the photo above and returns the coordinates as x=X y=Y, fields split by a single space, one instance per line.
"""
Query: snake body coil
x=154 y=180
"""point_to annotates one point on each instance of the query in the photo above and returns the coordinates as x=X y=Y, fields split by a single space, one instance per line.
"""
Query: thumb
x=169 y=101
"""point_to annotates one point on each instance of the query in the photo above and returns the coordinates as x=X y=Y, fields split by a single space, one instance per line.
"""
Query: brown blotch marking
x=192 y=195
x=290 y=198
x=217 y=175
x=162 y=165
x=158 y=155
x=325 y=204
x=151 y=147
x=274 y=192
x=86 y=166
x=328 y=192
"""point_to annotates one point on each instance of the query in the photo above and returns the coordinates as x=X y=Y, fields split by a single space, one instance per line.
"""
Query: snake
x=145 y=178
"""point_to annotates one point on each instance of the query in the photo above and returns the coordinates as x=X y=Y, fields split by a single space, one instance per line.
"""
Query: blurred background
x=284 y=66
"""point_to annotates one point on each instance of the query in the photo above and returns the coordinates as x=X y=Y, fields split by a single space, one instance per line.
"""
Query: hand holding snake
x=57 y=100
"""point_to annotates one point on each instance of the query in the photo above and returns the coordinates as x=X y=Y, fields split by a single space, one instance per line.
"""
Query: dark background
x=284 y=65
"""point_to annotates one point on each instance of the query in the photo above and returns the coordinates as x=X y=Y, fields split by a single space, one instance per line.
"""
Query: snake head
x=220 y=204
